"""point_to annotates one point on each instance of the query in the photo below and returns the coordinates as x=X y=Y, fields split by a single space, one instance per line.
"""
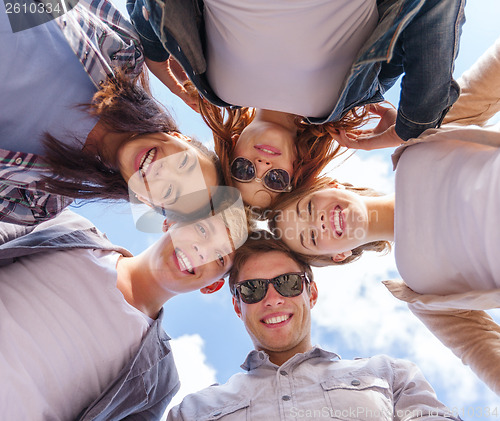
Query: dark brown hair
x=123 y=106
x=325 y=183
x=261 y=241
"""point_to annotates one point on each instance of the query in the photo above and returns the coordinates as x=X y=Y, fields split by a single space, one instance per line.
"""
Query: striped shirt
x=102 y=40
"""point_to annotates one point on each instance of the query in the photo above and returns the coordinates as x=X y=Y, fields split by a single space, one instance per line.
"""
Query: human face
x=192 y=256
x=267 y=145
x=329 y=221
x=276 y=324
x=162 y=169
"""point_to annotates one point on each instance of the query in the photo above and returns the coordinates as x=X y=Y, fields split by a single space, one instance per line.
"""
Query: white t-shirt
x=284 y=55
x=66 y=331
x=447 y=217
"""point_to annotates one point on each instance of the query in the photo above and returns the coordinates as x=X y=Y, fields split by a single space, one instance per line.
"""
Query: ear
x=180 y=136
x=236 y=305
x=340 y=257
x=210 y=289
x=313 y=294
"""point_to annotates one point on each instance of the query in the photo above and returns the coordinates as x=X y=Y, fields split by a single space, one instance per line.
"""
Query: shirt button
x=283 y=373
x=145 y=13
x=355 y=382
x=286 y=398
x=217 y=414
x=19 y=161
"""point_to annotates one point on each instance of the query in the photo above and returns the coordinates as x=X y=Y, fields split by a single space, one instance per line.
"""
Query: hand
x=171 y=74
x=381 y=136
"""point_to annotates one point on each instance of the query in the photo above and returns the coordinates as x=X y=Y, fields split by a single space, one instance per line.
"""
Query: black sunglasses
x=252 y=291
x=275 y=179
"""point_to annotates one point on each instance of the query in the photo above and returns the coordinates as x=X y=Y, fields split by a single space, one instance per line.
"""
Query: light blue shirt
x=317 y=385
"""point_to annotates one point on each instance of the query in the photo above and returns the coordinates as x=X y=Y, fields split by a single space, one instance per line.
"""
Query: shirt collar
x=255 y=358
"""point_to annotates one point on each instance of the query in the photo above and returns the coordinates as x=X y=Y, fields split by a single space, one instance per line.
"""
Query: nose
x=322 y=221
x=261 y=166
x=200 y=253
x=273 y=298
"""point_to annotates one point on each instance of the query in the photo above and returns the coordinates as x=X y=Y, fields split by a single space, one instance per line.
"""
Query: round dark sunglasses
x=275 y=179
x=252 y=291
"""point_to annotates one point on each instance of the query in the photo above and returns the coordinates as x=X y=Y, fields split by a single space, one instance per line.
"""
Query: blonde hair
x=322 y=184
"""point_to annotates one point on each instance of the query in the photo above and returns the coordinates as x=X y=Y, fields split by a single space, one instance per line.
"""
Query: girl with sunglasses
x=306 y=70
x=444 y=223
x=53 y=149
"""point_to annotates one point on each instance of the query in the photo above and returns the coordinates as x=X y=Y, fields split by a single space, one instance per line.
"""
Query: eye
x=184 y=161
x=313 y=238
x=201 y=229
x=220 y=258
x=309 y=207
x=168 y=192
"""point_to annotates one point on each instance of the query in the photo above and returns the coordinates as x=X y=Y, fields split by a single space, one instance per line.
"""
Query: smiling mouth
x=337 y=221
x=276 y=320
x=269 y=150
x=183 y=262
x=146 y=160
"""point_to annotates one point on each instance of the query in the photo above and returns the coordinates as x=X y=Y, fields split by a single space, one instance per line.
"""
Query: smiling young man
x=288 y=378
x=80 y=318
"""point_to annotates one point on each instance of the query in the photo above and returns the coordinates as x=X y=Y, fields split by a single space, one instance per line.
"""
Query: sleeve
x=428 y=48
x=472 y=335
x=480 y=90
x=153 y=47
x=414 y=397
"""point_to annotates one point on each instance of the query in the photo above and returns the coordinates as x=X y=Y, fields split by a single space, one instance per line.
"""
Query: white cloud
x=364 y=170
x=194 y=373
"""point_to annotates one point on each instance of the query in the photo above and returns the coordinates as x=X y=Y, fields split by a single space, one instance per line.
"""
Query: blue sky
x=355 y=315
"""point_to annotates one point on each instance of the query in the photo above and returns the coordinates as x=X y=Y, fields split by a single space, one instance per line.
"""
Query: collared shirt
x=317 y=384
x=102 y=40
x=149 y=380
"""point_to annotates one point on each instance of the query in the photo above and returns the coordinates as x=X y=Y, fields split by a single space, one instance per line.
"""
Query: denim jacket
x=145 y=386
x=427 y=31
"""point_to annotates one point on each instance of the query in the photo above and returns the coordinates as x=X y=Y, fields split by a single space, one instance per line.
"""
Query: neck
x=281 y=357
x=138 y=287
x=281 y=118
x=104 y=142
x=380 y=218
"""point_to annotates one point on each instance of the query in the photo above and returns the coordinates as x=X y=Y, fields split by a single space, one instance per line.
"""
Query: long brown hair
x=283 y=201
x=123 y=106
x=315 y=144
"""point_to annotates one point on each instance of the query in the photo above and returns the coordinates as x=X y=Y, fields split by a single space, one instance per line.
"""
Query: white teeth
x=147 y=159
x=184 y=262
x=268 y=151
x=336 y=221
x=274 y=320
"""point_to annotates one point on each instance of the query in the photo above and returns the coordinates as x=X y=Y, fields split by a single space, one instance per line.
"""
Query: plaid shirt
x=102 y=39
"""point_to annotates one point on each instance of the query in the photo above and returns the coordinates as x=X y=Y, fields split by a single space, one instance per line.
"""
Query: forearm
x=480 y=90
x=428 y=48
x=473 y=336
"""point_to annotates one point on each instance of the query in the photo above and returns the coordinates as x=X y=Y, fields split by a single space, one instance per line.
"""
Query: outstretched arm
x=171 y=74
x=480 y=86
x=472 y=335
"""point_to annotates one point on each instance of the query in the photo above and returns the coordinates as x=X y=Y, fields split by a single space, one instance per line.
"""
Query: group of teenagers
x=285 y=88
